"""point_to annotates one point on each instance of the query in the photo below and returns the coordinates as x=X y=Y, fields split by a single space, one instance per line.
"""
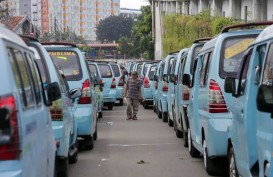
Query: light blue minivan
x=62 y=110
x=119 y=82
x=172 y=91
x=254 y=76
x=69 y=59
x=209 y=111
x=163 y=80
x=24 y=112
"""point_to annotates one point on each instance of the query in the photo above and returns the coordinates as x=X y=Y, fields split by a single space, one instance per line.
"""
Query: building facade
x=248 y=10
x=79 y=16
x=133 y=13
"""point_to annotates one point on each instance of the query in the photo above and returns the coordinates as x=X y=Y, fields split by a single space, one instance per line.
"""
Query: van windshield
x=68 y=62
x=232 y=53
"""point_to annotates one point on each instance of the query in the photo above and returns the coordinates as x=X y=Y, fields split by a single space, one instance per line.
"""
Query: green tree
x=114 y=27
x=125 y=46
x=142 y=34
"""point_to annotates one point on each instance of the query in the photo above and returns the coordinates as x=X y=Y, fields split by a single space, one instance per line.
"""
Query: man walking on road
x=133 y=94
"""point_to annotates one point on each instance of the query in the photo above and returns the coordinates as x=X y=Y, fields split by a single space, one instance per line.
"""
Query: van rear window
x=68 y=62
x=116 y=70
x=93 y=69
x=105 y=71
x=232 y=53
x=152 y=72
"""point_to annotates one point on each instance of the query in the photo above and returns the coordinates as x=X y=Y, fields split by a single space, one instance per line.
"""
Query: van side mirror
x=172 y=78
x=264 y=99
x=165 y=78
x=5 y=125
x=186 y=80
x=156 y=78
x=75 y=93
x=230 y=86
x=53 y=92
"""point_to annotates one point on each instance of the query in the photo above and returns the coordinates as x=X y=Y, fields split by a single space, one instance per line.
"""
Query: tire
x=62 y=167
x=146 y=106
x=100 y=115
x=74 y=159
x=89 y=143
x=178 y=133
x=110 y=107
x=95 y=135
x=185 y=136
x=159 y=113
x=154 y=109
x=208 y=163
x=165 y=117
x=232 y=164
x=121 y=102
x=192 y=150
x=170 y=122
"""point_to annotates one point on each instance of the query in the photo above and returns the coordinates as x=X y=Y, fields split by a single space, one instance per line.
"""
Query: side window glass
x=261 y=57
x=25 y=78
x=204 y=69
x=18 y=79
x=34 y=76
x=268 y=71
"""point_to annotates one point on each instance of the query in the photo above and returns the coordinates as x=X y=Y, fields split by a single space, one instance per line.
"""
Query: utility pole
x=55 y=28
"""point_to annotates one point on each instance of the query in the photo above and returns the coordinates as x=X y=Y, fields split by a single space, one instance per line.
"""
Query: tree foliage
x=142 y=34
x=114 y=27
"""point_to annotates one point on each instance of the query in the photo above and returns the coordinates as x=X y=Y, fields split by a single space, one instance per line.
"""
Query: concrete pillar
x=193 y=7
x=178 y=6
x=259 y=10
x=186 y=7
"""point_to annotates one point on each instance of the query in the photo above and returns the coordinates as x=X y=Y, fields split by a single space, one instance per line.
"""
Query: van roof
x=11 y=36
x=267 y=33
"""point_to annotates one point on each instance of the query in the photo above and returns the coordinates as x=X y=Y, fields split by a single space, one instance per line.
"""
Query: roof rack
x=244 y=25
x=202 y=39
x=173 y=52
x=59 y=43
x=29 y=38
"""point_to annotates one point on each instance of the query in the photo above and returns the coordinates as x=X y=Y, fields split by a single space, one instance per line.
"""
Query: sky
x=133 y=4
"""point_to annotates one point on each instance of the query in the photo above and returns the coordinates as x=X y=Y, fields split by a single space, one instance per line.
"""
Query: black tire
x=100 y=114
x=192 y=150
x=154 y=109
x=146 y=106
x=62 y=167
x=89 y=143
x=159 y=114
x=232 y=167
x=165 y=117
x=121 y=102
x=110 y=107
x=185 y=136
x=208 y=162
x=95 y=135
x=170 y=121
x=74 y=159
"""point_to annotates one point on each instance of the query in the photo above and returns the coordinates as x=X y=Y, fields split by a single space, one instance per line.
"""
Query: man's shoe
x=135 y=118
x=129 y=118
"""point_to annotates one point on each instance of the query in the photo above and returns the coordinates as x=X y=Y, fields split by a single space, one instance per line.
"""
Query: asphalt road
x=146 y=147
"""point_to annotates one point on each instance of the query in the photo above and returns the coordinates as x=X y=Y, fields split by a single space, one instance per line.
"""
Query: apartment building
x=80 y=16
x=248 y=10
x=133 y=13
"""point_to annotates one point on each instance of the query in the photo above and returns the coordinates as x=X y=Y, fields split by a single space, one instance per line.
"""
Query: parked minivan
x=209 y=110
x=24 y=113
x=69 y=59
x=64 y=124
x=183 y=91
x=163 y=80
x=250 y=133
x=109 y=85
x=119 y=82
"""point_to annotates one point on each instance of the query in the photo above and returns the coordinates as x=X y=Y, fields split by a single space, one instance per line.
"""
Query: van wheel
x=121 y=102
x=178 y=133
x=100 y=115
x=159 y=115
x=232 y=164
x=146 y=106
x=89 y=143
x=74 y=159
x=154 y=109
x=95 y=135
x=165 y=117
x=192 y=150
x=208 y=163
x=62 y=167
x=110 y=107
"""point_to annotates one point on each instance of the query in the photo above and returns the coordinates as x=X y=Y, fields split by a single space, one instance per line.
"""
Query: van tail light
x=156 y=85
x=10 y=149
x=121 y=81
x=101 y=85
x=146 y=83
x=217 y=102
x=165 y=87
x=56 y=110
x=185 y=93
x=86 y=93
x=113 y=84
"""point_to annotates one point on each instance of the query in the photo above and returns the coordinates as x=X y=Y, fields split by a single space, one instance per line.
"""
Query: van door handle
x=242 y=112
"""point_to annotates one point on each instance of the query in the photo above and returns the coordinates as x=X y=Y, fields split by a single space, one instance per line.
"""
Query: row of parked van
x=50 y=100
x=218 y=96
